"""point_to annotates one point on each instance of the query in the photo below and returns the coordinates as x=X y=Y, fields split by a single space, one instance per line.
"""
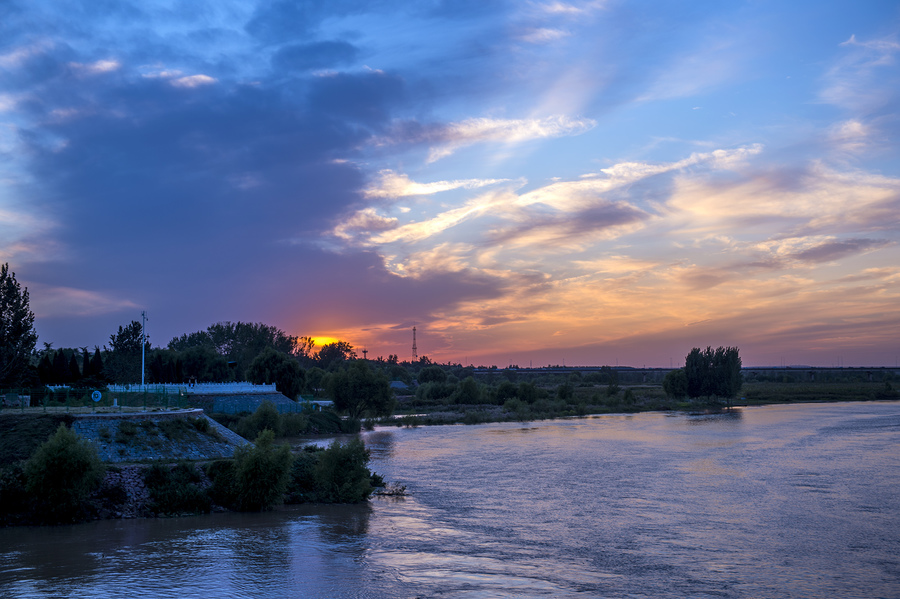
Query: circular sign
x=96 y=396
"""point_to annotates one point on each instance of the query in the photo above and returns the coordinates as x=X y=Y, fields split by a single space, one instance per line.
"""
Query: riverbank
x=586 y=400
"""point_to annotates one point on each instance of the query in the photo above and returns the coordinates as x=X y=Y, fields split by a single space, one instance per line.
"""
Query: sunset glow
x=524 y=182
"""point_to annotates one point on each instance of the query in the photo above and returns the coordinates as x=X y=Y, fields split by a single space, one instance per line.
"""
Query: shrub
x=126 y=432
x=302 y=484
x=293 y=424
x=675 y=383
x=325 y=422
x=261 y=473
x=341 y=474
x=223 y=487
x=13 y=498
x=176 y=489
x=265 y=417
x=61 y=475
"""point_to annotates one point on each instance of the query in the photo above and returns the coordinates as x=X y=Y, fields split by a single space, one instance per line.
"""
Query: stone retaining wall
x=149 y=436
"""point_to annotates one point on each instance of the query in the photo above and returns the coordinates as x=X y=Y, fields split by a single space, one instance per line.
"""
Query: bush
x=261 y=473
x=293 y=424
x=265 y=417
x=223 y=487
x=325 y=422
x=13 y=498
x=302 y=484
x=176 y=489
x=62 y=474
x=341 y=474
x=675 y=383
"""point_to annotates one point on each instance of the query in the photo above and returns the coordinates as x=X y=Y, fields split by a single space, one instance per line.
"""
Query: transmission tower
x=415 y=353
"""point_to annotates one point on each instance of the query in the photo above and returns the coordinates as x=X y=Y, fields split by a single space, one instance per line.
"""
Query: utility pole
x=143 y=344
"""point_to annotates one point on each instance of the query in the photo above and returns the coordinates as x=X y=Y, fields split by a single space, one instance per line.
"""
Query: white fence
x=243 y=388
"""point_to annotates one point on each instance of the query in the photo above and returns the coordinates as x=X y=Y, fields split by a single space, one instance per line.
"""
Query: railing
x=198 y=388
x=67 y=398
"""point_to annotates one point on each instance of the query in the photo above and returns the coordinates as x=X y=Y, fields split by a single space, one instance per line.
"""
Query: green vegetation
x=360 y=391
x=341 y=474
x=176 y=489
x=261 y=473
x=265 y=475
x=17 y=334
x=61 y=475
x=713 y=373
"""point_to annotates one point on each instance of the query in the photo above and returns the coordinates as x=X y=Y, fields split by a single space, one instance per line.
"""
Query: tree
x=74 y=370
x=17 y=334
x=342 y=475
x=713 y=373
x=332 y=355
x=61 y=475
x=675 y=383
x=123 y=364
x=273 y=366
x=431 y=374
x=60 y=372
x=467 y=392
x=97 y=362
x=240 y=342
x=86 y=363
x=262 y=473
x=360 y=390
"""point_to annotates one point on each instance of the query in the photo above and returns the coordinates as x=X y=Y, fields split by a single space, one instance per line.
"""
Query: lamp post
x=143 y=344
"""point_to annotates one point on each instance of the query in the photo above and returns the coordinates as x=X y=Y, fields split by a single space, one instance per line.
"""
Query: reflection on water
x=779 y=501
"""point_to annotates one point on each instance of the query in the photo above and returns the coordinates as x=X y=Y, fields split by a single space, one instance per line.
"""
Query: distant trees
x=240 y=342
x=675 y=383
x=273 y=366
x=123 y=364
x=359 y=390
x=17 y=334
x=712 y=372
x=333 y=355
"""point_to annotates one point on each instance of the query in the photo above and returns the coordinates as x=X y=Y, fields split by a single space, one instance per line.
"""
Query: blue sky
x=525 y=182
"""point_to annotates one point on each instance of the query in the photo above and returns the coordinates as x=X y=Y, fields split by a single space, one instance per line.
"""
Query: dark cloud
x=574 y=225
x=287 y=20
x=317 y=55
x=834 y=250
x=203 y=203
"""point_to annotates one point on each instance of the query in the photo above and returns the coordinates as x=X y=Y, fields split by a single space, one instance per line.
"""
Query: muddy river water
x=774 y=501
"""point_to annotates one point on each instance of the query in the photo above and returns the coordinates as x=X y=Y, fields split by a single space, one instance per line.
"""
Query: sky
x=529 y=182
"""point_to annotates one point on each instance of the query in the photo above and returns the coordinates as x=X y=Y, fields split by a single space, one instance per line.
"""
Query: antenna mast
x=415 y=353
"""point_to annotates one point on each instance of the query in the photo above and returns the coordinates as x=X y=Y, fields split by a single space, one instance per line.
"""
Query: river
x=774 y=501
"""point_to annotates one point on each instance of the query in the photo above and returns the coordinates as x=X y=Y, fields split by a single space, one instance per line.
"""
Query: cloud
x=398 y=185
x=814 y=200
x=865 y=79
x=96 y=67
x=454 y=136
x=193 y=81
x=837 y=248
x=54 y=302
x=314 y=55
x=543 y=35
x=363 y=223
x=850 y=136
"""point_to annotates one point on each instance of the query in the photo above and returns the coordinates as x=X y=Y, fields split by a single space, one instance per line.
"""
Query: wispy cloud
x=864 y=79
x=507 y=131
x=96 y=67
x=397 y=185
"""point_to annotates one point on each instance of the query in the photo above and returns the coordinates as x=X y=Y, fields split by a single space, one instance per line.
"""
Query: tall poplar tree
x=17 y=334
